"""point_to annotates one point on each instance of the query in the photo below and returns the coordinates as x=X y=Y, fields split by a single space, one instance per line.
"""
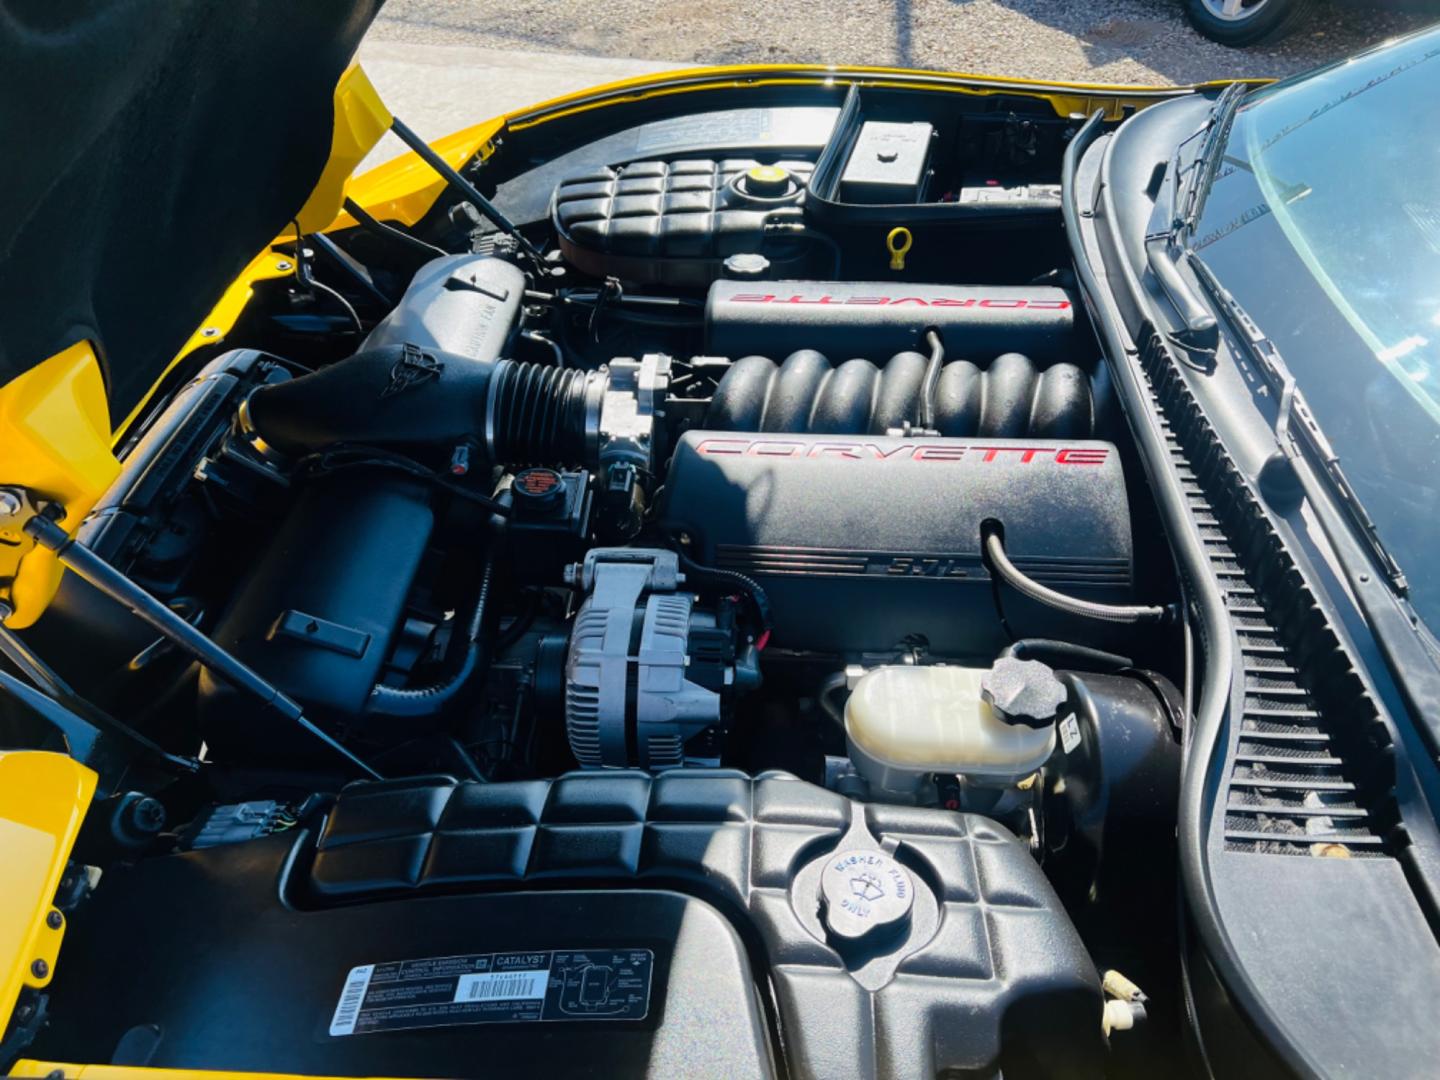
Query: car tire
x=1265 y=20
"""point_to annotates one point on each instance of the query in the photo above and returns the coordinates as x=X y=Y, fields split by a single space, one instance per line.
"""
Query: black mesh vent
x=1310 y=765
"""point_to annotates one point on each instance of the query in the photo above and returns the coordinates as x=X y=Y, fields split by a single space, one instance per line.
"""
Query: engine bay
x=732 y=593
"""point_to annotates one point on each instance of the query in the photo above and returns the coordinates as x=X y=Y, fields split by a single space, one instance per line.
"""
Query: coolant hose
x=1010 y=574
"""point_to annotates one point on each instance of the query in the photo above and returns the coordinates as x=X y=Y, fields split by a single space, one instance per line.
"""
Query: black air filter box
x=318 y=612
x=462 y=304
x=865 y=541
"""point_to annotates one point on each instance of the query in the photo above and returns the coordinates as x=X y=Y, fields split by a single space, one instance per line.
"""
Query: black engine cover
x=876 y=319
x=865 y=541
x=236 y=957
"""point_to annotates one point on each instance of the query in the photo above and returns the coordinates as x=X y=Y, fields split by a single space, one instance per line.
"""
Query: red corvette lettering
x=1080 y=456
x=938 y=452
x=828 y=300
x=716 y=447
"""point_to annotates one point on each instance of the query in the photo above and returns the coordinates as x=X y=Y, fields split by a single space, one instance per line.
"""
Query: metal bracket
x=17 y=507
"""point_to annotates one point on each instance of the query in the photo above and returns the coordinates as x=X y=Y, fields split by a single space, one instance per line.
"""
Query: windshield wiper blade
x=1192 y=181
x=1297 y=432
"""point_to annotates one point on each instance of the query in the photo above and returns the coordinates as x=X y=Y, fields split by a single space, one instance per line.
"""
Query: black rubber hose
x=343 y=457
x=1010 y=574
x=423 y=701
x=537 y=412
x=797 y=230
x=696 y=574
x=932 y=379
x=1066 y=655
x=428 y=700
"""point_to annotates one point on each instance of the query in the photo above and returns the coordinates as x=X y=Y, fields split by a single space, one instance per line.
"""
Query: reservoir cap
x=1022 y=692
x=863 y=892
x=767 y=181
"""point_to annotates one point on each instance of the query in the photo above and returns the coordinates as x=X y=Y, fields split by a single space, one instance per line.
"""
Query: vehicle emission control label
x=493 y=988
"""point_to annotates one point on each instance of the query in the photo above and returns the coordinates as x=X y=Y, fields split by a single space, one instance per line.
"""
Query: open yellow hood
x=159 y=156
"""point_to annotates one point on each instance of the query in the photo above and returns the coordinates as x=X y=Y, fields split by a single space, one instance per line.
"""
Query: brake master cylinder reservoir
x=993 y=726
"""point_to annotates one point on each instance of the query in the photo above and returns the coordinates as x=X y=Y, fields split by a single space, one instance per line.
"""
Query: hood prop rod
x=79 y=721
x=192 y=640
x=455 y=180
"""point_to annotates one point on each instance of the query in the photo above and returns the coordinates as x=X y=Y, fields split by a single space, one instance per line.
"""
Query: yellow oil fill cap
x=767 y=181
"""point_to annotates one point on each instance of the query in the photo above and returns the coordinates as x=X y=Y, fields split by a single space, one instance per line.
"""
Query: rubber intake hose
x=393 y=394
x=1010 y=574
x=397 y=395
x=538 y=414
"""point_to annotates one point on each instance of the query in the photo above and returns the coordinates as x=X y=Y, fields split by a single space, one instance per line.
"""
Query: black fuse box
x=889 y=164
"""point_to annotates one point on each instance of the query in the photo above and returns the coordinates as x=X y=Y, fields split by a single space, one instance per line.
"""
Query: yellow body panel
x=361 y=120
x=129 y=1072
x=221 y=320
x=404 y=188
x=55 y=435
x=43 y=798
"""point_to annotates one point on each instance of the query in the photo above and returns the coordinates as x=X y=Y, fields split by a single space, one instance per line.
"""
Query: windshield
x=1323 y=221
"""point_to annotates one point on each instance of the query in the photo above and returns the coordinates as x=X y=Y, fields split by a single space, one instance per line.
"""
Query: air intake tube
x=399 y=395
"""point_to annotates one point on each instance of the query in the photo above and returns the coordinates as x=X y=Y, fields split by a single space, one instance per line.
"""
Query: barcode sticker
x=1069 y=734
x=343 y=1022
x=503 y=986
x=494 y=988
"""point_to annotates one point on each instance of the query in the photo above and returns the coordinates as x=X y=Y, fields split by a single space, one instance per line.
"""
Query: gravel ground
x=1114 y=41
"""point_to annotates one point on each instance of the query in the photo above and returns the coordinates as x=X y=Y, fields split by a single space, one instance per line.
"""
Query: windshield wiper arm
x=1296 y=429
x=1165 y=247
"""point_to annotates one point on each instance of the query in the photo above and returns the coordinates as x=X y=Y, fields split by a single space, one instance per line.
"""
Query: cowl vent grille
x=1309 y=768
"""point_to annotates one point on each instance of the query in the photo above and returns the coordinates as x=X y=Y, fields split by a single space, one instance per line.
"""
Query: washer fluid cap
x=767 y=181
x=865 y=892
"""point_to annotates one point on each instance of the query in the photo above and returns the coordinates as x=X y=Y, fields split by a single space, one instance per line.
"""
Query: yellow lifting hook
x=898 y=243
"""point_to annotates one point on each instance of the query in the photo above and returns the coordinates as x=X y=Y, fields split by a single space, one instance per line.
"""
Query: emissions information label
x=493 y=988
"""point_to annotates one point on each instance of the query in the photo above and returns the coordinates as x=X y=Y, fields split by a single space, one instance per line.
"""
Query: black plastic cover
x=864 y=541
x=876 y=319
x=989 y=976
x=318 y=612
x=673 y=222
x=468 y=305
x=889 y=163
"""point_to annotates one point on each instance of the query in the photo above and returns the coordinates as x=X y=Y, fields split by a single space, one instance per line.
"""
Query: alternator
x=646 y=673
